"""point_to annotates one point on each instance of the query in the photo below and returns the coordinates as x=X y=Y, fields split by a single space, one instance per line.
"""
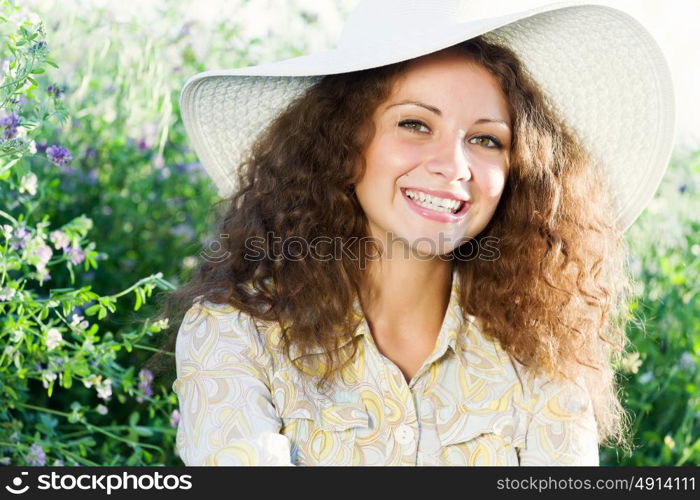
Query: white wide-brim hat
x=602 y=71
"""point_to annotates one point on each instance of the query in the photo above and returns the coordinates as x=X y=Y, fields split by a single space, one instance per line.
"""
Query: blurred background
x=103 y=205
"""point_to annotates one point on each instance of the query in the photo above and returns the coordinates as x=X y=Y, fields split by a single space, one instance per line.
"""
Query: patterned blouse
x=470 y=403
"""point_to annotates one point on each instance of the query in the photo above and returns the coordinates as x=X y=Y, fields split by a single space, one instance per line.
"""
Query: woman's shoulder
x=542 y=389
x=218 y=326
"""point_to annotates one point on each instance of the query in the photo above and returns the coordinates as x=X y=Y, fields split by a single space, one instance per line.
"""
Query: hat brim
x=602 y=71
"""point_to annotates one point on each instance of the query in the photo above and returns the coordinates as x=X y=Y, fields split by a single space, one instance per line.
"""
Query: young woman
x=422 y=259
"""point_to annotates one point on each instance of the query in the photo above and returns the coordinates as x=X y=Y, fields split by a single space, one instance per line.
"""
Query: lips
x=432 y=214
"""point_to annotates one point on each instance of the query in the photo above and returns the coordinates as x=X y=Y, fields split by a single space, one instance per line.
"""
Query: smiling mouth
x=440 y=205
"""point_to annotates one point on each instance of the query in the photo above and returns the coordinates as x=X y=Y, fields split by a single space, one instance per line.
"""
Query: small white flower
x=59 y=239
x=646 y=377
x=32 y=147
x=47 y=378
x=76 y=319
x=22 y=131
x=7 y=231
x=28 y=184
x=7 y=293
x=162 y=324
x=53 y=338
x=105 y=390
x=631 y=362
x=101 y=409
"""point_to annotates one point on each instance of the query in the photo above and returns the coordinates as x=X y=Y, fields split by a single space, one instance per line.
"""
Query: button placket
x=404 y=434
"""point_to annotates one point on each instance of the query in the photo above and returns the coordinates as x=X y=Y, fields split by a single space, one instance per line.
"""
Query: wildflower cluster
x=61 y=373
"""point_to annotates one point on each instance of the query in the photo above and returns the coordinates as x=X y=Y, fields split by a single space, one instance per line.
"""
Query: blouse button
x=404 y=434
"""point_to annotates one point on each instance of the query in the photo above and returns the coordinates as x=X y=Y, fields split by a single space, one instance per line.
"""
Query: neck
x=405 y=292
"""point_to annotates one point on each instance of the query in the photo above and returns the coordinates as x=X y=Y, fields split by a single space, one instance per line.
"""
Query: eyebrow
x=437 y=111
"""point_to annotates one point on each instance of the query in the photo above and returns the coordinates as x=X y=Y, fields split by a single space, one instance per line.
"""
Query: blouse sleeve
x=227 y=415
x=562 y=430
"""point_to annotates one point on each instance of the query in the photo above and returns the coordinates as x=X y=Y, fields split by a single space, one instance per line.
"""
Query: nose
x=450 y=159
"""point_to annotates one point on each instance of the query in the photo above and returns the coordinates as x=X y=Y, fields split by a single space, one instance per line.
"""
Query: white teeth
x=434 y=203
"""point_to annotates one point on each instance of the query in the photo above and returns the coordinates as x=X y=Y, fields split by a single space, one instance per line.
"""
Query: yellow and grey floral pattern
x=243 y=403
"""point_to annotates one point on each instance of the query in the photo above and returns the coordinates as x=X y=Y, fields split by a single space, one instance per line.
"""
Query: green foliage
x=59 y=369
x=93 y=156
x=662 y=379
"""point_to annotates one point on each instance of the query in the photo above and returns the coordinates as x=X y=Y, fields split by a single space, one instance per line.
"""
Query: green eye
x=488 y=141
x=413 y=125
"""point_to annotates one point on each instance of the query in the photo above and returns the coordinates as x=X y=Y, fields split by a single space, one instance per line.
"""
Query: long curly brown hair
x=556 y=299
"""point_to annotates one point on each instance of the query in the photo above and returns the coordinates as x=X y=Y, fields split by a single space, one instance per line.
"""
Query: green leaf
x=93 y=309
x=143 y=431
x=67 y=377
x=134 y=458
x=134 y=418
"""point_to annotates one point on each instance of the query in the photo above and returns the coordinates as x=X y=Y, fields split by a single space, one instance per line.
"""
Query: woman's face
x=438 y=162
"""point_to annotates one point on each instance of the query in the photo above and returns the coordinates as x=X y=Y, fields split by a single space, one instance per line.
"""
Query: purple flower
x=145 y=380
x=58 y=155
x=20 y=239
x=10 y=122
x=174 y=418
x=36 y=455
x=54 y=91
x=90 y=153
x=76 y=255
x=41 y=147
x=142 y=145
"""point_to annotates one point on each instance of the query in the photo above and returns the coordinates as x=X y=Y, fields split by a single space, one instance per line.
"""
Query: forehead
x=447 y=77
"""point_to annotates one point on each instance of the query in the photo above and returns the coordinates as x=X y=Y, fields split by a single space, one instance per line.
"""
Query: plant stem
x=152 y=349
x=93 y=428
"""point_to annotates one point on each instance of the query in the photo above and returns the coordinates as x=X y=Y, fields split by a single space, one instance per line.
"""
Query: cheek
x=492 y=180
